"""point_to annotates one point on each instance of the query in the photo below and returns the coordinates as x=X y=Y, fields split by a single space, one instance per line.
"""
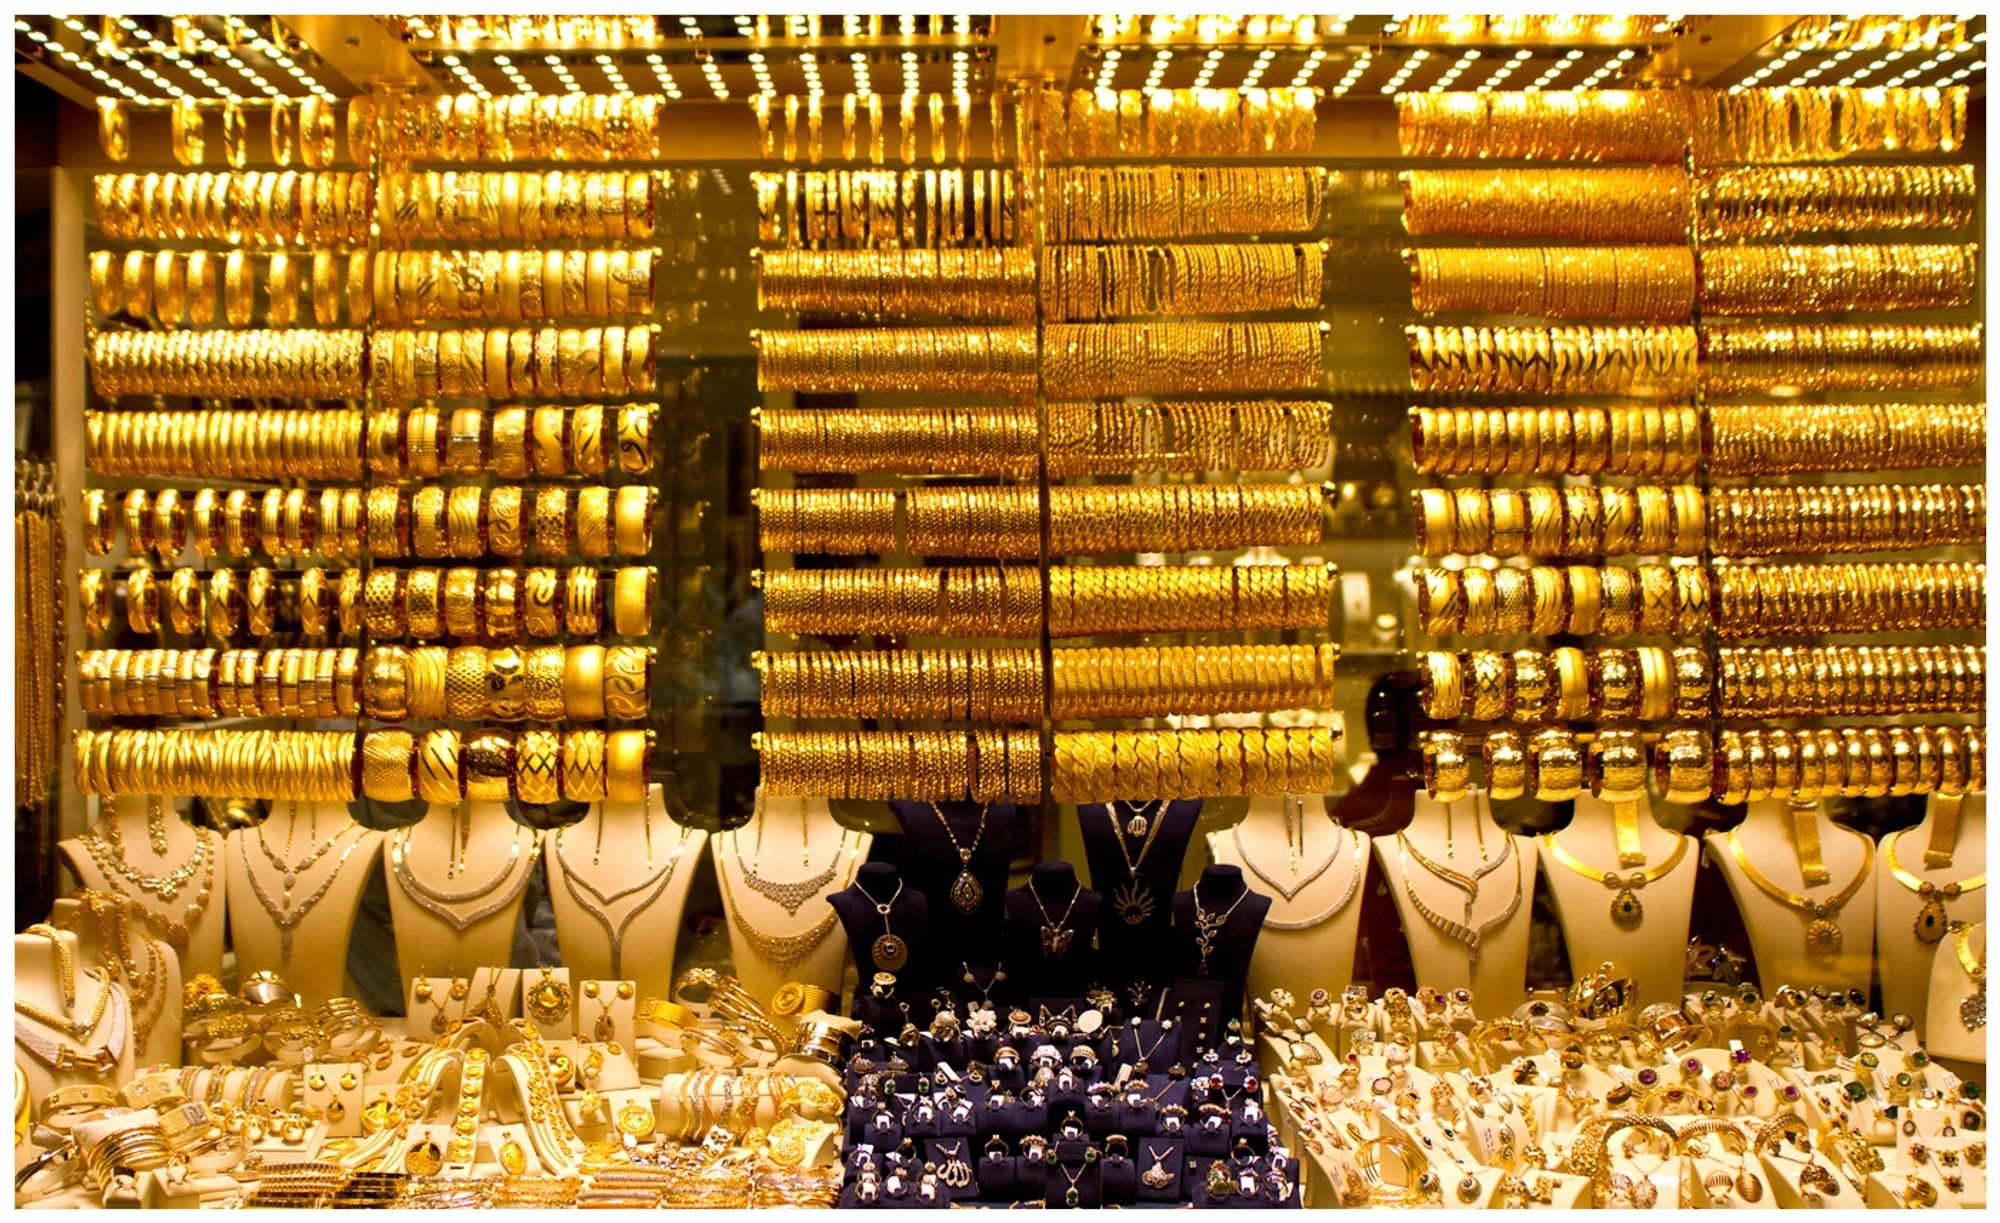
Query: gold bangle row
x=994 y=601
x=225 y=602
x=1083 y=438
x=967 y=360
x=511 y=443
x=1553 y=360
x=926 y=765
x=1004 y=522
x=1558 y=441
x=1852 y=277
x=1646 y=204
x=531 y=766
x=1585 y=600
x=1175 y=358
x=263 y=444
x=521 y=127
x=1099 y=766
x=1570 y=522
x=583 y=683
x=499 y=363
x=1109 y=281
x=1766 y=600
x=287 y=683
x=509 y=286
x=1162 y=202
x=530 y=206
x=1785 y=201
x=866 y=209
x=1825 y=122
x=1007 y=685
x=1750 y=440
x=310 y=766
x=1567 y=684
x=1848 y=761
x=911 y=106
x=1554 y=764
x=1842 y=357
x=277 y=522
x=1846 y=680
x=295 y=364
x=983 y=285
x=1633 y=283
x=1081 y=124
x=283 y=208
x=1608 y=125
x=505 y=604
x=1808 y=520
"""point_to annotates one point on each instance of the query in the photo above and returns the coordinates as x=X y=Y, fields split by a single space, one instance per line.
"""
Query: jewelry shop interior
x=901 y=611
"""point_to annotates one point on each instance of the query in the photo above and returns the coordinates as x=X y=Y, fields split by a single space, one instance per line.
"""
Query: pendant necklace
x=791 y=894
x=1469 y=884
x=601 y=911
x=1056 y=935
x=1932 y=919
x=290 y=873
x=1142 y=1059
x=282 y=914
x=1626 y=911
x=115 y=934
x=1972 y=1009
x=1823 y=935
x=438 y=903
x=1137 y=818
x=1157 y=1176
x=889 y=950
x=107 y=850
x=1209 y=925
x=1471 y=936
x=1133 y=900
x=966 y=892
x=1347 y=893
x=782 y=950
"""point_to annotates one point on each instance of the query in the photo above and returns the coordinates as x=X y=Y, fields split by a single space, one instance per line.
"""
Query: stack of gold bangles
x=1567 y=684
x=291 y=764
x=1649 y=519
x=1778 y=201
x=1763 y=600
x=1004 y=522
x=1632 y=283
x=975 y=284
x=518 y=206
x=1006 y=685
x=511 y=443
x=932 y=765
x=1849 y=761
x=1175 y=358
x=508 y=286
x=584 y=683
x=285 y=207
x=1554 y=764
x=1108 y=281
x=1105 y=765
x=1178 y=122
x=1609 y=125
x=1825 y=122
x=1842 y=356
x=1581 y=360
x=1650 y=204
x=994 y=601
x=544 y=127
x=533 y=766
x=1814 y=681
x=225 y=444
x=1837 y=279
x=1093 y=203
x=291 y=683
x=1582 y=599
x=999 y=360
x=1809 y=520
x=1559 y=441
x=297 y=363
x=870 y=209
x=499 y=363
x=1748 y=440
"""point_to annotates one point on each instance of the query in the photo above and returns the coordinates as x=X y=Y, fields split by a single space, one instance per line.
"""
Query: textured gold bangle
x=631 y=602
x=544 y=683
x=465 y=684
x=537 y=766
x=593 y=522
x=385 y=765
x=503 y=520
x=627 y=681
x=506 y=684
x=422 y=604
x=424 y=687
x=541 y=615
x=633 y=520
x=501 y=598
x=487 y=764
x=552 y=522
x=438 y=769
x=461 y=602
x=583 y=779
x=385 y=684
x=582 y=615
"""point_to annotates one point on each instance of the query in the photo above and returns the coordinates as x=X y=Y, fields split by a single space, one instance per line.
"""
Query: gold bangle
x=537 y=766
x=583 y=779
x=505 y=684
x=487 y=763
x=424 y=685
x=385 y=765
x=593 y=522
x=541 y=615
x=465 y=683
x=627 y=677
x=583 y=683
x=632 y=602
x=625 y=753
x=582 y=616
x=438 y=768
x=634 y=520
x=461 y=602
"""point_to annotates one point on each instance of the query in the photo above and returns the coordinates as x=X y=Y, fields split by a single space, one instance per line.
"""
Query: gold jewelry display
x=1823 y=936
x=1933 y=919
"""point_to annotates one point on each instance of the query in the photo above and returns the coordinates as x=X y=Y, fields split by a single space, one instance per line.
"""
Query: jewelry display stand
x=885 y=923
x=1955 y=1017
x=1495 y=913
x=1135 y=852
x=1913 y=922
x=1313 y=870
x=44 y=960
x=1047 y=937
x=156 y=1017
x=300 y=892
x=1625 y=908
x=472 y=863
x=1216 y=924
x=618 y=882
x=780 y=927
x=1794 y=940
x=135 y=819
x=959 y=853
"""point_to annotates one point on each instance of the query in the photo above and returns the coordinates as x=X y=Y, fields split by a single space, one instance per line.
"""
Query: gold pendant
x=1134 y=902
x=1626 y=911
x=1823 y=937
x=1931 y=921
x=966 y=893
x=890 y=952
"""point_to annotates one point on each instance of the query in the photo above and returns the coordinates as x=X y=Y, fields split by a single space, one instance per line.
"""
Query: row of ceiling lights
x=170 y=90
x=1805 y=64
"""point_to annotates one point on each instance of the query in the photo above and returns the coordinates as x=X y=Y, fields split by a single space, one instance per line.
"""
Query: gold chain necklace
x=966 y=892
x=1469 y=884
x=1466 y=933
x=113 y=866
x=1626 y=911
x=146 y=990
x=782 y=950
x=1932 y=920
x=1823 y=936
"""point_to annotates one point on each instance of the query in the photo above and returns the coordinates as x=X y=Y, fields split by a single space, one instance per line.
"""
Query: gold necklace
x=1468 y=934
x=966 y=891
x=1972 y=1010
x=1626 y=911
x=782 y=950
x=1469 y=884
x=1134 y=900
x=1823 y=936
x=1932 y=920
x=108 y=851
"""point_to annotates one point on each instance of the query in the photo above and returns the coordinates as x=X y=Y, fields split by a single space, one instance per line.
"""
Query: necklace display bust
x=1791 y=941
x=618 y=882
x=885 y=920
x=307 y=865
x=44 y=964
x=1630 y=908
x=1313 y=871
x=1468 y=913
x=1911 y=923
x=130 y=829
x=457 y=879
x=776 y=872
x=1136 y=853
x=1051 y=921
x=1216 y=924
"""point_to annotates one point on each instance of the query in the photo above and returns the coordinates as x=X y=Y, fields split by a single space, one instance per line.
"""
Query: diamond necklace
x=601 y=911
x=1469 y=884
x=284 y=916
x=782 y=950
x=1291 y=893
x=1346 y=894
x=1467 y=934
x=287 y=872
x=438 y=903
x=794 y=893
